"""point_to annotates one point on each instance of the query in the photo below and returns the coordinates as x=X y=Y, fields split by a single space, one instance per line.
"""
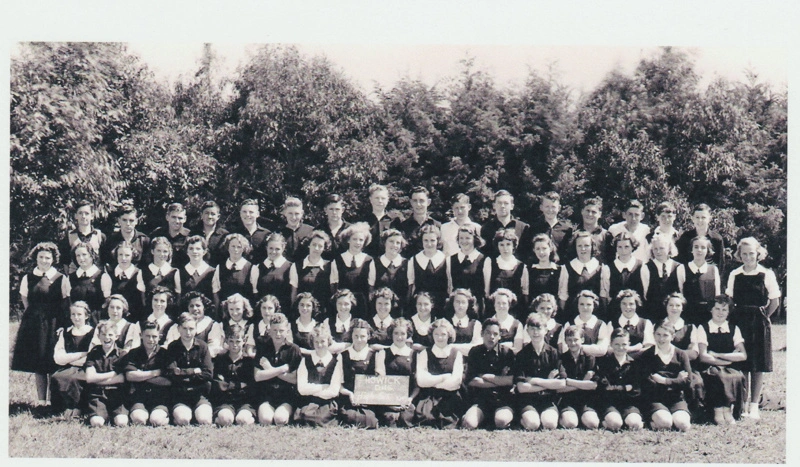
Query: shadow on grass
x=23 y=408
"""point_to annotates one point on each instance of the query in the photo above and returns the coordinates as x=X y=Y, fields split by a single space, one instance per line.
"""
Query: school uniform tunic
x=91 y=286
x=465 y=329
x=670 y=396
x=36 y=337
x=601 y=240
x=380 y=331
x=422 y=331
x=658 y=281
x=577 y=276
x=725 y=384
x=543 y=280
x=314 y=279
x=357 y=363
x=313 y=409
x=511 y=275
x=625 y=276
x=65 y=387
x=430 y=275
x=439 y=406
x=394 y=275
x=273 y=278
x=301 y=334
x=198 y=279
x=699 y=285
x=450 y=235
x=130 y=284
x=232 y=278
x=639 y=329
x=750 y=292
x=642 y=253
x=352 y=273
x=165 y=276
x=340 y=329
x=400 y=362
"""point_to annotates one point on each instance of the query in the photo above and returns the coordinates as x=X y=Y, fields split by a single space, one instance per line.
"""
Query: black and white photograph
x=447 y=243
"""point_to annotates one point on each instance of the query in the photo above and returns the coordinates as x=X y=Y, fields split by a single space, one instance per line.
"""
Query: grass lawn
x=31 y=435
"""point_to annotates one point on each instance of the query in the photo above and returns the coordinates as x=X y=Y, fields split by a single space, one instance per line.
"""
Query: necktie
x=196 y=274
x=626 y=274
x=352 y=264
x=628 y=324
x=585 y=273
x=663 y=270
x=123 y=276
x=429 y=268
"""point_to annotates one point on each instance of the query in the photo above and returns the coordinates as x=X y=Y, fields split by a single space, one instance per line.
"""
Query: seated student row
x=436 y=406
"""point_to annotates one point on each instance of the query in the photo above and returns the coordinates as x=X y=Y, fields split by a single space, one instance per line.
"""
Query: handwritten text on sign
x=381 y=390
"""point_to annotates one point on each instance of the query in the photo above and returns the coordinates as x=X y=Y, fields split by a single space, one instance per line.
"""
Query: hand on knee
x=634 y=421
x=612 y=421
x=590 y=420
x=569 y=419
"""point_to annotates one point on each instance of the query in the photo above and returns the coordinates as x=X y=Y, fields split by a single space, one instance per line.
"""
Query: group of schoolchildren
x=250 y=325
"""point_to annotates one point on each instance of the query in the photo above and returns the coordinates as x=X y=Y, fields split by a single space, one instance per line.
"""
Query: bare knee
x=661 y=420
x=224 y=417
x=612 y=421
x=139 y=417
x=159 y=417
x=265 y=414
x=204 y=415
x=590 y=420
x=121 y=420
x=245 y=417
x=530 y=420
x=182 y=415
x=550 y=419
x=569 y=419
x=503 y=418
x=682 y=420
x=634 y=421
x=472 y=419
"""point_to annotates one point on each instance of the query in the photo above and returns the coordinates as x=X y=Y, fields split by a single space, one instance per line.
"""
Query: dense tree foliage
x=88 y=120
